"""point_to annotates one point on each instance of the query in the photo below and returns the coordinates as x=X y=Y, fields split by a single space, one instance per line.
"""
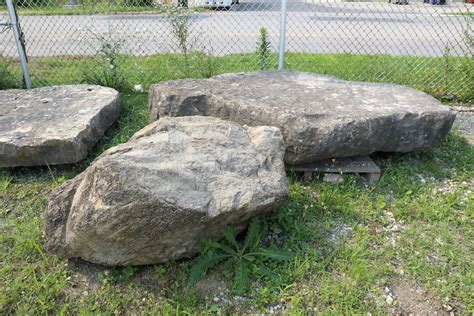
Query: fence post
x=19 y=43
x=281 y=46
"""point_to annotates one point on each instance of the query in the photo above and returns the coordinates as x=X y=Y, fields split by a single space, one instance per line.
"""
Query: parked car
x=398 y=1
x=214 y=4
x=217 y=4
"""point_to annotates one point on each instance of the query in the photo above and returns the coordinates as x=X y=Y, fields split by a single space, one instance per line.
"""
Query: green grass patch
x=349 y=242
x=87 y=7
x=461 y=13
x=99 y=8
x=9 y=75
x=446 y=78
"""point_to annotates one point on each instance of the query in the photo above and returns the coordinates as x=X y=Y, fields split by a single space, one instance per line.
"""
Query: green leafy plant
x=242 y=259
x=162 y=269
x=107 y=70
x=118 y=274
x=180 y=19
x=447 y=72
x=264 y=50
x=206 y=63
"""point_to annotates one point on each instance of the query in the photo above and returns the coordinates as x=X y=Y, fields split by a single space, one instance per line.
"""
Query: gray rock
x=54 y=125
x=320 y=116
x=177 y=181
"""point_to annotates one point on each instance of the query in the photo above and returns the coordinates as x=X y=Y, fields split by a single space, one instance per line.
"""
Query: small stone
x=333 y=178
x=389 y=300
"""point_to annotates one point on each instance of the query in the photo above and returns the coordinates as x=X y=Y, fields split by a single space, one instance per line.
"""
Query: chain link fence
x=135 y=43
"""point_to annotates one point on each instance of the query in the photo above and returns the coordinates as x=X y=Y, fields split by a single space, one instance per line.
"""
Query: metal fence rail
x=420 y=44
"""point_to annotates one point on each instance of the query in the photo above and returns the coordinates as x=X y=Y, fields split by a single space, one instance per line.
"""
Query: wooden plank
x=358 y=164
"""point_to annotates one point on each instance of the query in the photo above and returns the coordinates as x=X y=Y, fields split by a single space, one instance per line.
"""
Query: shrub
x=263 y=50
x=107 y=70
x=181 y=20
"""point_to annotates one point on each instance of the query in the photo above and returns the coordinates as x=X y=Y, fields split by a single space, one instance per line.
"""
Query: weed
x=181 y=19
x=160 y=271
x=117 y=274
x=447 y=71
x=264 y=50
x=242 y=259
x=207 y=64
x=107 y=70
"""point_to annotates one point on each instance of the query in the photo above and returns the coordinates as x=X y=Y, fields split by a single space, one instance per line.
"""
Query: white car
x=217 y=4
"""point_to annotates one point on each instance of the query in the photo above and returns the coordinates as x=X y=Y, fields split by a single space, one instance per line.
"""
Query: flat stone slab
x=320 y=116
x=174 y=183
x=54 y=125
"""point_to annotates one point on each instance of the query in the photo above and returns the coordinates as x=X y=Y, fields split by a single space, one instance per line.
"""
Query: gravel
x=465 y=121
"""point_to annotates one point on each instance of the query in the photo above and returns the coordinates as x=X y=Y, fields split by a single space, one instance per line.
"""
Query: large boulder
x=320 y=116
x=156 y=197
x=54 y=125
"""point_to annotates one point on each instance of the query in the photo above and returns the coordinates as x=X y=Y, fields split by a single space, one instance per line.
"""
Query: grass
x=446 y=78
x=8 y=76
x=94 y=7
x=350 y=241
x=99 y=8
x=461 y=13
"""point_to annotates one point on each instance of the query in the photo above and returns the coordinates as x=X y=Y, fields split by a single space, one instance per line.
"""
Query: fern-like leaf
x=264 y=270
x=241 y=276
x=227 y=249
x=229 y=235
x=202 y=264
x=253 y=235
x=275 y=254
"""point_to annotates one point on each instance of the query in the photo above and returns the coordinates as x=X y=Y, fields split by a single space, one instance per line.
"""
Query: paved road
x=318 y=27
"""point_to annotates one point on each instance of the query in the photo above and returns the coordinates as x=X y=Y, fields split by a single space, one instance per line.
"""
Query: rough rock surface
x=54 y=125
x=320 y=116
x=174 y=183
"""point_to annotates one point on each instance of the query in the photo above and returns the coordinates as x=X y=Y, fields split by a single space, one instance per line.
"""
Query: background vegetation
x=198 y=64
